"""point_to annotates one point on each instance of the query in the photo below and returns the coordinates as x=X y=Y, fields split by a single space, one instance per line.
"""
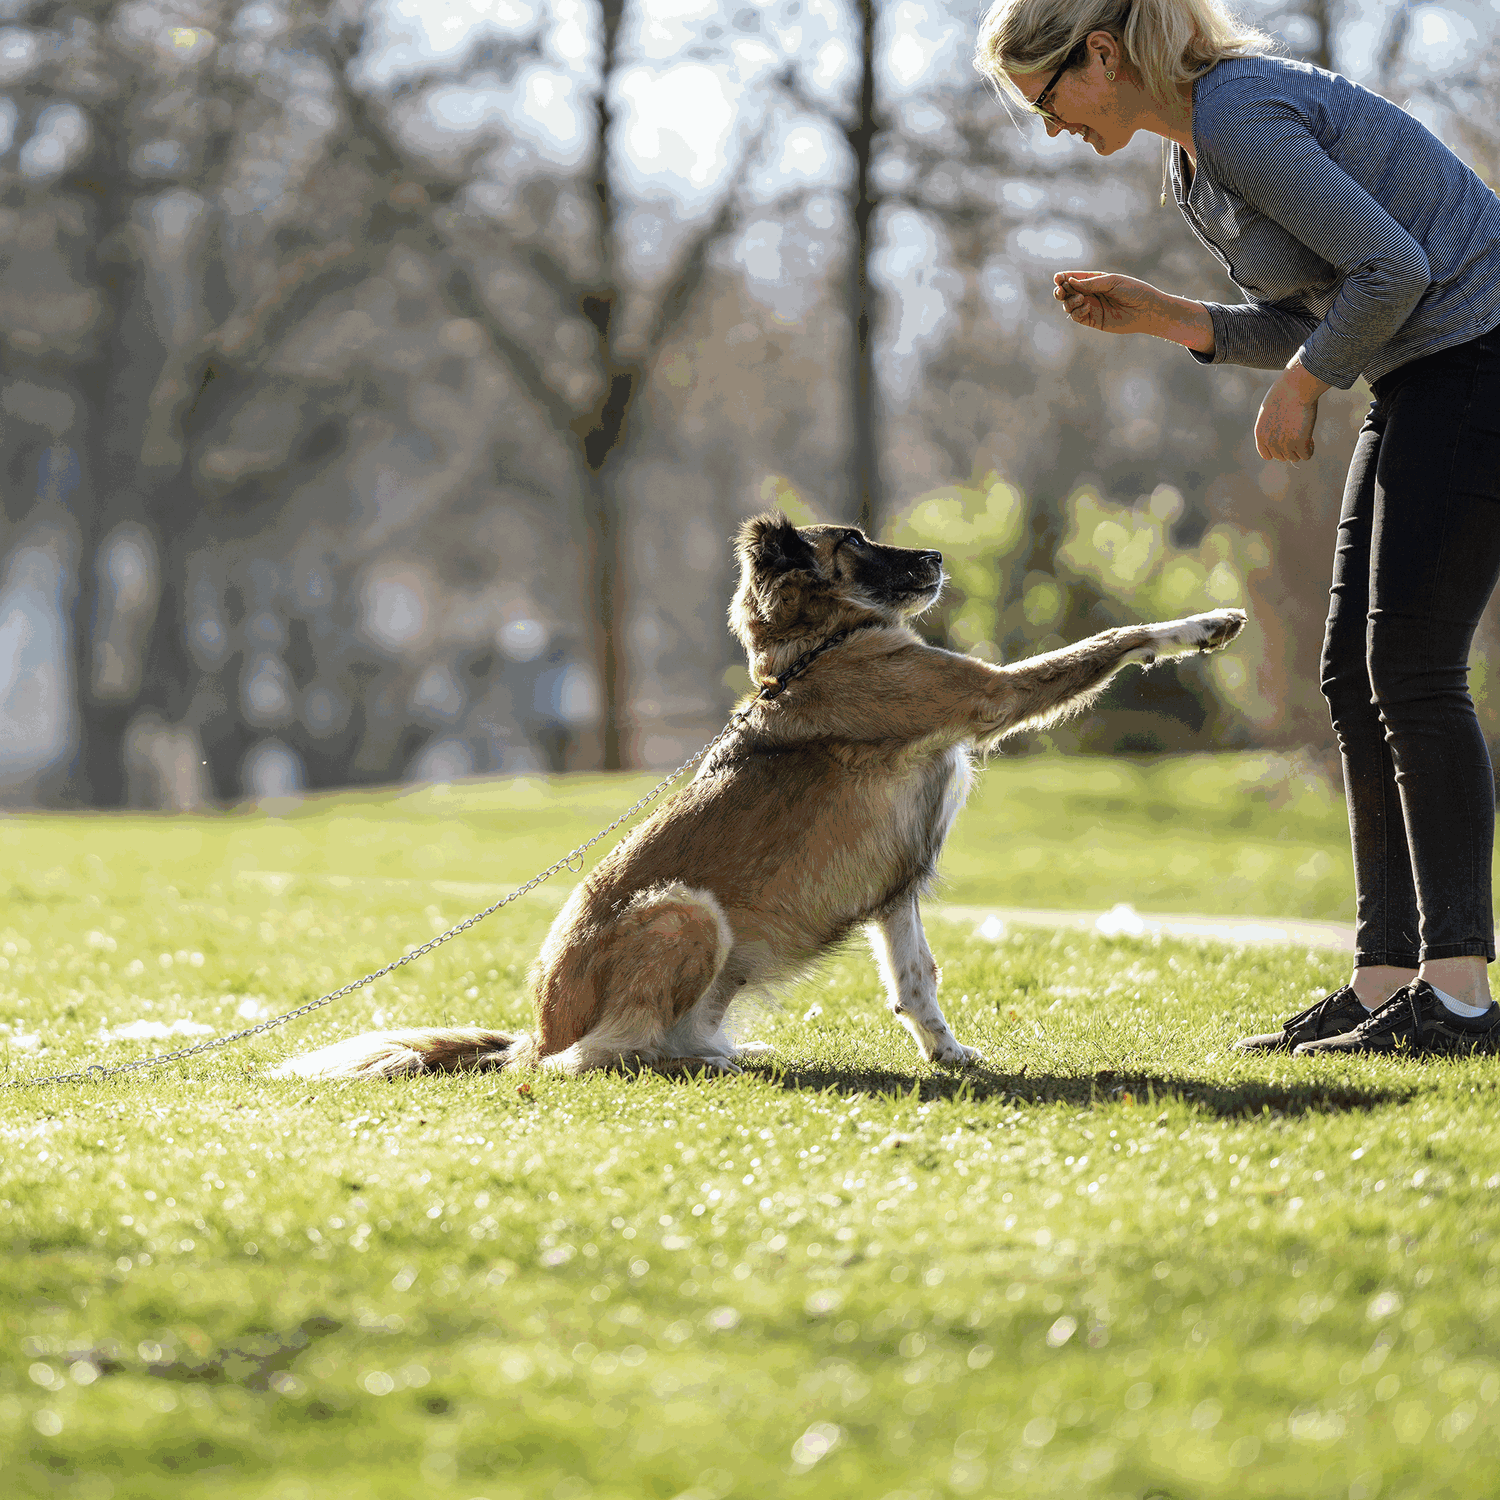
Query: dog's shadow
x=1241 y=1098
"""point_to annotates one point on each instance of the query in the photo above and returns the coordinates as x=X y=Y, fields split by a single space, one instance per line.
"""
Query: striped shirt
x=1357 y=237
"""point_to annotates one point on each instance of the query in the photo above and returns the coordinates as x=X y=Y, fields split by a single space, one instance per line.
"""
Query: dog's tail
x=403 y=1054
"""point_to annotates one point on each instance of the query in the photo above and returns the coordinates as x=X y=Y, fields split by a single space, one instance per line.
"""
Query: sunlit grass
x=1117 y=1260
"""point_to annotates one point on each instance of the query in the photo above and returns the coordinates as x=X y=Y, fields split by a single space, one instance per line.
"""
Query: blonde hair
x=1168 y=42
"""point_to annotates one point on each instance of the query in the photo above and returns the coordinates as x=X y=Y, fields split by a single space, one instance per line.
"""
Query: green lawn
x=1117 y=1260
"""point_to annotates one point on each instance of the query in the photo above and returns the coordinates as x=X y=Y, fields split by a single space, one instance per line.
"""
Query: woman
x=1363 y=247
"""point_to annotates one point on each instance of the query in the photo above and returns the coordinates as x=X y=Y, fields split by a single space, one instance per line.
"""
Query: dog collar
x=773 y=687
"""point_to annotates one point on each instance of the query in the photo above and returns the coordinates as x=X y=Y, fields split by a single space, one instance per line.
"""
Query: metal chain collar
x=97 y=1072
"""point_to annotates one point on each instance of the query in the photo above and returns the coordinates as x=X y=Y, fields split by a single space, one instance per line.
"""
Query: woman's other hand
x=1284 y=428
x=1112 y=303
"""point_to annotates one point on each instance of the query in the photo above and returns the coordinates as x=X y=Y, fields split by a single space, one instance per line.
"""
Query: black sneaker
x=1415 y=1022
x=1333 y=1015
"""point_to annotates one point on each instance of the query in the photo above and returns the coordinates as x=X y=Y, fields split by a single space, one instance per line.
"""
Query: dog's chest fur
x=922 y=809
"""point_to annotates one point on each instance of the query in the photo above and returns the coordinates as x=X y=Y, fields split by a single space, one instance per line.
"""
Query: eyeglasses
x=1073 y=58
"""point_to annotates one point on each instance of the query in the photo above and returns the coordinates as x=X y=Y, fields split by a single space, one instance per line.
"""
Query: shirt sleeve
x=1273 y=162
x=1262 y=335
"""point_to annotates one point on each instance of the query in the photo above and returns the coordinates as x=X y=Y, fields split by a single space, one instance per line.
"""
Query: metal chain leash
x=771 y=687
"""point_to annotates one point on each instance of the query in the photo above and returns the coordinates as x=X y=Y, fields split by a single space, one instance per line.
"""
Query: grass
x=1117 y=1260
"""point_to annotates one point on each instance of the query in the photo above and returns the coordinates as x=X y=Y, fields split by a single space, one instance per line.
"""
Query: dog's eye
x=853 y=539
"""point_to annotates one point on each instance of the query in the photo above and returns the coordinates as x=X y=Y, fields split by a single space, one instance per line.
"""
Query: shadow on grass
x=257 y=1362
x=1241 y=1098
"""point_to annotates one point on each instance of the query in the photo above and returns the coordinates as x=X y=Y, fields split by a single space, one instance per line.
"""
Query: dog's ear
x=778 y=567
x=769 y=544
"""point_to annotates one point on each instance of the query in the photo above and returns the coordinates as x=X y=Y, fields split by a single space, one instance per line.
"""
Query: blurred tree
x=230 y=427
x=860 y=123
x=862 y=131
x=566 y=288
x=117 y=114
x=1306 y=28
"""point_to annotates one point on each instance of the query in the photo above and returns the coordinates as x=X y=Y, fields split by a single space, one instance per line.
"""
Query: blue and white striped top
x=1357 y=236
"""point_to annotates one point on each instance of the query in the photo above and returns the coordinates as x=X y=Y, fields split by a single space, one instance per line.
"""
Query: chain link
x=97 y=1072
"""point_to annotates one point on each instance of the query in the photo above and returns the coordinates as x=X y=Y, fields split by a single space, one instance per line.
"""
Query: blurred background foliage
x=1116 y=563
x=381 y=381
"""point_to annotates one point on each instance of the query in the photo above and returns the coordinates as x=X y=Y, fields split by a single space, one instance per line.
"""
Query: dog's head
x=798 y=582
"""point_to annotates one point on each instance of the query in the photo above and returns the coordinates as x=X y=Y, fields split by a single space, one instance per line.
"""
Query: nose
x=935 y=558
x=1054 y=128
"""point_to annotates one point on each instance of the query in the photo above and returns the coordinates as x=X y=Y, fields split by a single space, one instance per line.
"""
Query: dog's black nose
x=936 y=558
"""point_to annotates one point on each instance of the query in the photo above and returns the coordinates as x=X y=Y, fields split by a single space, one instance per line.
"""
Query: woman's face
x=1083 y=102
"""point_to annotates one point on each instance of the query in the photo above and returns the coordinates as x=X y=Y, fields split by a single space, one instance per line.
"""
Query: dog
x=827 y=810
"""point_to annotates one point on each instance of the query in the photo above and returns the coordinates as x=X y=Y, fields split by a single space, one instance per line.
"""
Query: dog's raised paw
x=1218 y=627
x=1205 y=632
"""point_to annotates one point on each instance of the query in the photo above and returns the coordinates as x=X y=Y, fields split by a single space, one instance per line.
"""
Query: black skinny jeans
x=1417 y=559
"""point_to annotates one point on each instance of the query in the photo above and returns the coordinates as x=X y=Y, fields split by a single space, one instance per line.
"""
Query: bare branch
x=691 y=270
x=1393 y=44
x=462 y=297
x=418 y=194
x=243 y=343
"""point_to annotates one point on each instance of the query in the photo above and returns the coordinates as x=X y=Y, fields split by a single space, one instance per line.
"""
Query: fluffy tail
x=402 y=1054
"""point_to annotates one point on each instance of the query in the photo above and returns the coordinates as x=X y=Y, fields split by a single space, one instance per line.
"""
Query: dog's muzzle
x=927 y=573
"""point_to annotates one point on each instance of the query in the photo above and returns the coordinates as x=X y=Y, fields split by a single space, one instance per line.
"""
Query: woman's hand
x=1120 y=304
x=1284 y=428
x=1110 y=303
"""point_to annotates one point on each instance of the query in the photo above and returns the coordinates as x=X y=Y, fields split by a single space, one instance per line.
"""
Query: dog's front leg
x=1043 y=688
x=911 y=981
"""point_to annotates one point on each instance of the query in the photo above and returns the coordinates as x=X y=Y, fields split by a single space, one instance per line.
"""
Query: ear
x=770 y=544
x=1105 y=47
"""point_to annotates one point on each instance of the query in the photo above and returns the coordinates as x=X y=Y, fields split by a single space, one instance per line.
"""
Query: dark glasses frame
x=1072 y=60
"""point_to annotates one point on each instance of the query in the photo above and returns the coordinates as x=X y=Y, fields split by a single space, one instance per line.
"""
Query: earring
x=1109 y=75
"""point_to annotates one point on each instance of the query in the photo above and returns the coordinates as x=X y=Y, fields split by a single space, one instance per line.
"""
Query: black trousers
x=1418 y=556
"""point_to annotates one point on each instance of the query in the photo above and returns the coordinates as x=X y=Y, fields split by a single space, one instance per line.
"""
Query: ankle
x=1374 y=984
x=1466 y=980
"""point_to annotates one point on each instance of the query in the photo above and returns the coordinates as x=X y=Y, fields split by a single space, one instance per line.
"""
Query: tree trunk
x=1320 y=13
x=866 y=501
x=600 y=433
x=112 y=409
x=607 y=596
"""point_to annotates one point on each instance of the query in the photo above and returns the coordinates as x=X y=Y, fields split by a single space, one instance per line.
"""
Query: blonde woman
x=1363 y=246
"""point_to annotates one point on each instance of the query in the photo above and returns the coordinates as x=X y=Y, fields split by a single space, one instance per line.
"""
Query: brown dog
x=829 y=809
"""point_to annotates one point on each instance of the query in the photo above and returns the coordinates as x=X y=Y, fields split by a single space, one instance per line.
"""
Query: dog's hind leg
x=653 y=964
x=911 y=981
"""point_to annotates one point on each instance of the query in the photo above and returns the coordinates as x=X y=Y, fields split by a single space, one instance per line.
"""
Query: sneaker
x=1333 y=1015
x=1415 y=1022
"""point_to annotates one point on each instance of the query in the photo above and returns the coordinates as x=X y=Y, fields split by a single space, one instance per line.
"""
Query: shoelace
x=1314 y=1012
x=1395 y=1010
